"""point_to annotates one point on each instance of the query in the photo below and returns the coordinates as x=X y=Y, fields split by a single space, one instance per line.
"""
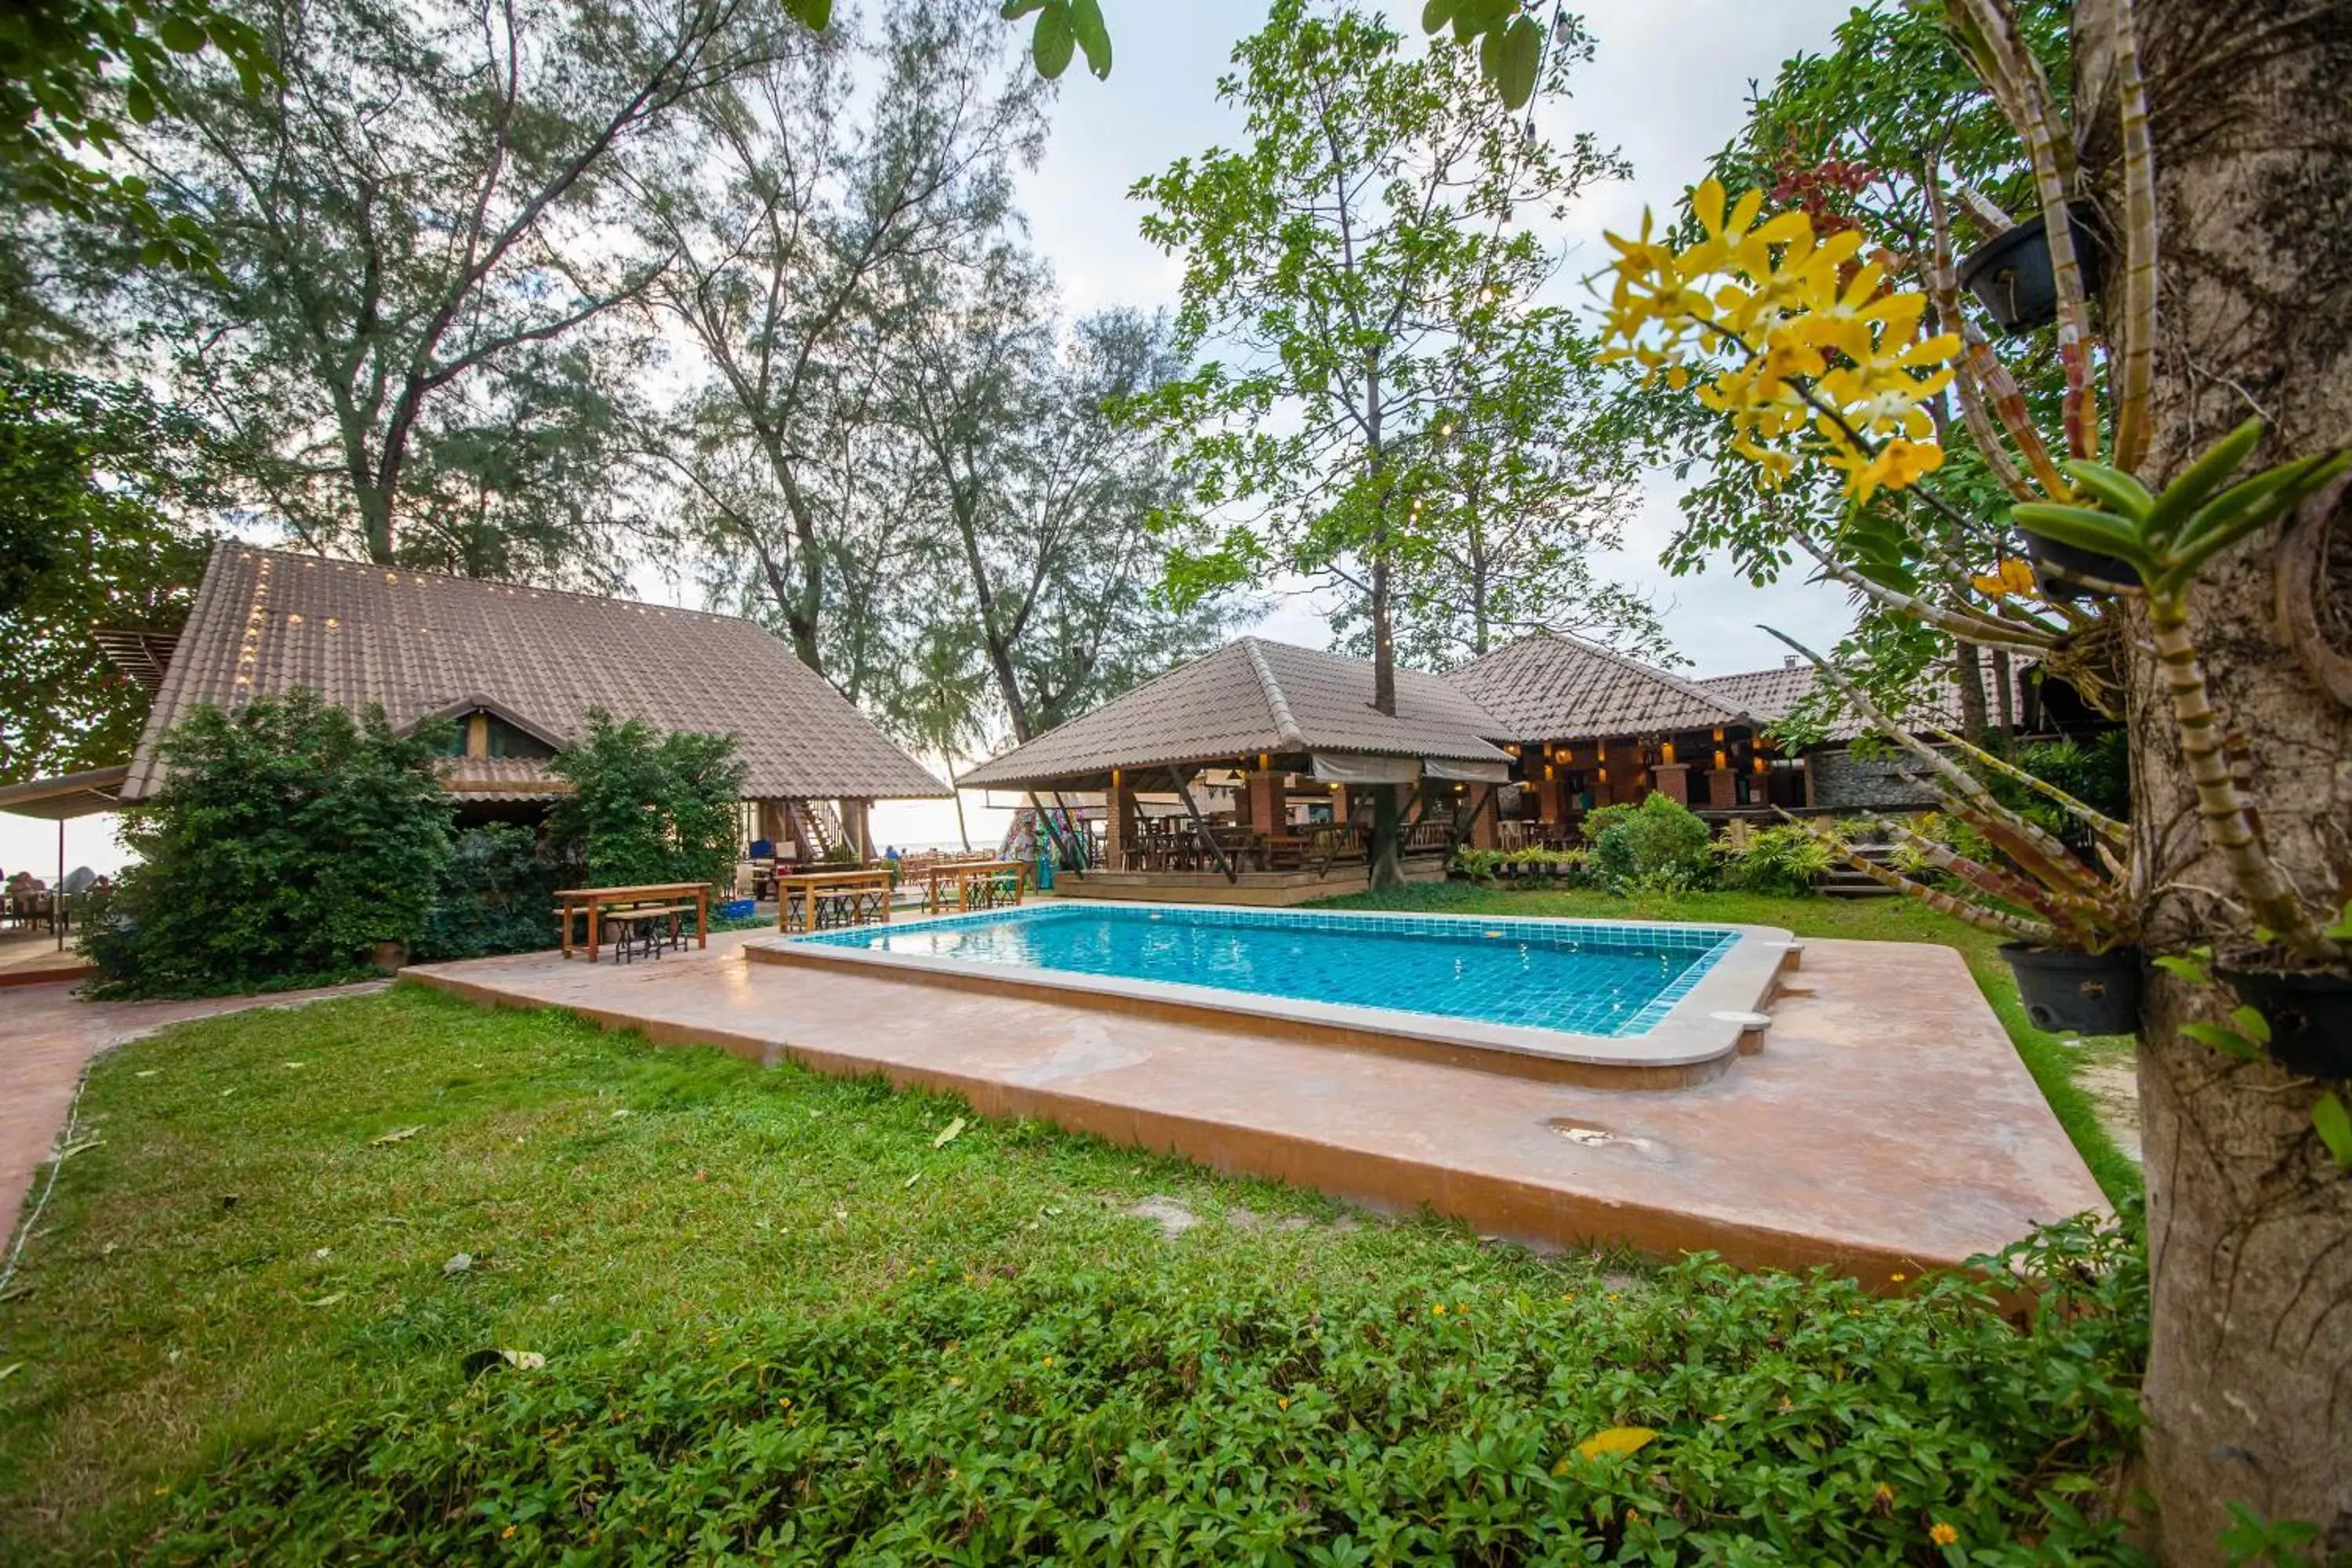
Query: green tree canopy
x=99 y=486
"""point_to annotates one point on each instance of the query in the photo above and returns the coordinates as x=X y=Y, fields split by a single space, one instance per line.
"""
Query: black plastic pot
x=2061 y=568
x=2310 y=1018
x=2087 y=993
x=2011 y=274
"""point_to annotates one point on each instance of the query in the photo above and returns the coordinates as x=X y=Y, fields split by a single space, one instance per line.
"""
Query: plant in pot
x=2071 y=927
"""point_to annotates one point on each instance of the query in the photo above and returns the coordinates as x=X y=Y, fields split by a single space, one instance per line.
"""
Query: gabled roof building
x=517 y=669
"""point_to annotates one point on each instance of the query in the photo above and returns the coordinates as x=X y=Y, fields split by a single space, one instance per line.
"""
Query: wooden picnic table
x=967 y=877
x=592 y=902
x=857 y=895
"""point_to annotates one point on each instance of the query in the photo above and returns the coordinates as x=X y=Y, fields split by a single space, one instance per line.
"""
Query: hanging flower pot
x=2310 y=1018
x=2010 y=273
x=2086 y=993
x=2070 y=572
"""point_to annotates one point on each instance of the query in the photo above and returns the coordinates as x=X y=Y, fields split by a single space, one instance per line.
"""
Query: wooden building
x=517 y=669
x=1246 y=776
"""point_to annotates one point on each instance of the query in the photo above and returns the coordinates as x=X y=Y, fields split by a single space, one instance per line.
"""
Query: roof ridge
x=1627 y=661
x=492 y=583
x=1286 y=723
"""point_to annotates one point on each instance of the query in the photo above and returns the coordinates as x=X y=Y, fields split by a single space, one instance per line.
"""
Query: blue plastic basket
x=733 y=908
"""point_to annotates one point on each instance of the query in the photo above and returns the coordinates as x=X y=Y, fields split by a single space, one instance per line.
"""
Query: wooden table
x=989 y=876
x=801 y=894
x=594 y=901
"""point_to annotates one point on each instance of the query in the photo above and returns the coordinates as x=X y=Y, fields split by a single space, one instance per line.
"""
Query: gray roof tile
x=267 y=621
x=1249 y=696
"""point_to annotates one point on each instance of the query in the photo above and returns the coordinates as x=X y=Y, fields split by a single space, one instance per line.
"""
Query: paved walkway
x=46 y=1035
x=1886 y=1126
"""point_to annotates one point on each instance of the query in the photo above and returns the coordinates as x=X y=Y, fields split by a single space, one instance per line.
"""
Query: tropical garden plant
x=1829 y=352
x=1658 y=846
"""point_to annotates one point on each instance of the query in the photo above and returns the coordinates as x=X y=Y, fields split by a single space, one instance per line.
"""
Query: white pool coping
x=1704 y=1027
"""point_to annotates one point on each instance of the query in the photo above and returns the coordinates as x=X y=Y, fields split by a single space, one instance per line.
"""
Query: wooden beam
x=1461 y=822
x=1199 y=828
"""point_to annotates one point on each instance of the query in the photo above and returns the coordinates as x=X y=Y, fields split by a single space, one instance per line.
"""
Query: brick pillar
x=1672 y=781
x=1624 y=760
x=1264 y=800
x=1721 y=793
x=1118 y=826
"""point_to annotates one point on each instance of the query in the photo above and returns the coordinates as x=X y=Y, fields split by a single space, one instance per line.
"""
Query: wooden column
x=1486 y=827
x=856 y=828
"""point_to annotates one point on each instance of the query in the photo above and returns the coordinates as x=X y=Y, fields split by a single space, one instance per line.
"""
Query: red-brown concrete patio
x=1886 y=1126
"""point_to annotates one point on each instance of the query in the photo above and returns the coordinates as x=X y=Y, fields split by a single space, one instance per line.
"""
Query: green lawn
x=782 y=1320
x=2058 y=1065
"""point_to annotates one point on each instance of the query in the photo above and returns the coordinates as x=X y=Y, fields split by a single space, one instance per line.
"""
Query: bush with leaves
x=286 y=843
x=1658 y=845
x=1119 y=1413
x=646 y=807
x=1781 y=860
x=495 y=895
x=2097 y=773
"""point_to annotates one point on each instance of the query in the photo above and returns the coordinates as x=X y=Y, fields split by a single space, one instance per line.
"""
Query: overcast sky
x=1667 y=88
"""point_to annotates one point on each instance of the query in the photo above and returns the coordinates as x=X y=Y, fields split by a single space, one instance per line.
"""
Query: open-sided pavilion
x=1248 y=776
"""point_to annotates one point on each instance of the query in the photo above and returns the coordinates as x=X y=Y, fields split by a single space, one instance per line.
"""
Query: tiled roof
x=1770 y=694
x=1254 y=696
x=1553 y=687
x=420 y=643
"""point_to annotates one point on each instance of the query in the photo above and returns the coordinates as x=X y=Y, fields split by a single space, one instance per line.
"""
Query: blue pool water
x=1585 y=978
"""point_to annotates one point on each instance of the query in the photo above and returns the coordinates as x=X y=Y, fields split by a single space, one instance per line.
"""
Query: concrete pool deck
x=1885 y=1126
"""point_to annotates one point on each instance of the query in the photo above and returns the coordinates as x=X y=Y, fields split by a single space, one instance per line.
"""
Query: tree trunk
x=1385 y=862
x=1967 y=681
x=2249 y=1387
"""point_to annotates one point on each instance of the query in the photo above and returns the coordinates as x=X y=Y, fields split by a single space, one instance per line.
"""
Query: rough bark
x=2249 y=1388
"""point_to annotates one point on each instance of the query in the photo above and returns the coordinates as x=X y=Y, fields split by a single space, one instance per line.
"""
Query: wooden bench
x=974 y=884
x=831 y=901
x=630 y=906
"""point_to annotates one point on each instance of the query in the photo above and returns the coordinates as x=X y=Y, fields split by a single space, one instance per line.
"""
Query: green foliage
x=1781 y=860
x=442 y=283
x=496 y=895
x=1657 y=845
x=1062 y=28
x=2098 y=773
x=1533 y=863
x=648 y=807
x=94 y=477
x=71 y=71
x=285 y=842
x=1110 y=1412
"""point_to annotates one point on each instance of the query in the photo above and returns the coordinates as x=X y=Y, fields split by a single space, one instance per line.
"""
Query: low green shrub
x=1532 y=863
x=1783 y=860
x=646 y=807
x=1117 y=1411
x=285 y=844
x=1658 y=845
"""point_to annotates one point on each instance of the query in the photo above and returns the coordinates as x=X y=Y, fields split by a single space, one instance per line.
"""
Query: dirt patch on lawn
x=2113 y=1087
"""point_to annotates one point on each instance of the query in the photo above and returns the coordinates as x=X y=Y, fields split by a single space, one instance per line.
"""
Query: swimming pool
x=1585 y=977
x=1647 y=993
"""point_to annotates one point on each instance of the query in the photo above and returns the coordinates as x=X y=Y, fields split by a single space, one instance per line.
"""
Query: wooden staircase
x=818 y=826
x=1842 y=881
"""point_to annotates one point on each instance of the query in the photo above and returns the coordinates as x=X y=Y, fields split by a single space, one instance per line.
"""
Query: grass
x=2054 y=1061
x=791 y=1317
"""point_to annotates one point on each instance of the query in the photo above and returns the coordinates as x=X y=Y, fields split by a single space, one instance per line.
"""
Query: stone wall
x=1845 y=782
